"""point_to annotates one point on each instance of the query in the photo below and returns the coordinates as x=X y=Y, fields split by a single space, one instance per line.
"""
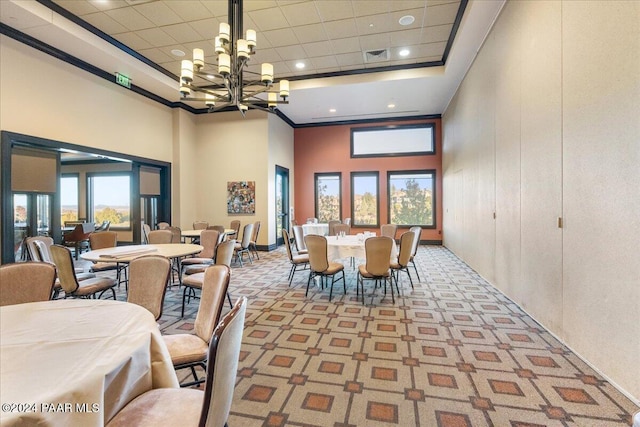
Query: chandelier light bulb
x=251 y=38
x=284 y=88
x=187 y=71
x=218 y=45
x=243 y=49
x=224 y=64
x=267 y=73
x=198 y=58
x=184 y=90
x=210 y=100
x=225 y=31
x=273 y=99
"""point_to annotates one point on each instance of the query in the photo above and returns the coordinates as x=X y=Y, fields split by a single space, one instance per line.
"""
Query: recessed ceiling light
x=406 y=20
x=404 y=52
x=332 y=110
x=299 y=65
x=177 y=52
x=370 y=25
x=391 y=105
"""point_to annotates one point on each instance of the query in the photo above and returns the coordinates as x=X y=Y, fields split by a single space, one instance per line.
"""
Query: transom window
x=389 y=141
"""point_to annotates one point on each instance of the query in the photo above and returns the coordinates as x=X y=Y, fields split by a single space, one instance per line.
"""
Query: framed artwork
x=241 y=197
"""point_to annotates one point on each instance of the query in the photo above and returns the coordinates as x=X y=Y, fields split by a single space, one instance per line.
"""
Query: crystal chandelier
x=225 y=86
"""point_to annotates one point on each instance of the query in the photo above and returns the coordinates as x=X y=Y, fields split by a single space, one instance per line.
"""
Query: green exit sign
x=123 y=80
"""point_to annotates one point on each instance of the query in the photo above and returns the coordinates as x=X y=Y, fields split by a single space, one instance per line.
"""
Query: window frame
x=77 y=177
x=315 y=191
x=391 y=128
x=90 y=201
x=433 y=174
x=358 y=174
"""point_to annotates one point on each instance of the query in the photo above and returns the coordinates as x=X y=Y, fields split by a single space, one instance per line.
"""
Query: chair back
x=145 y=232
x=256 y=230
x=64 y=265
x=26 y=282
x=332 y=224
x=406 y=247
x=347 y=221
x=148 y=278
x=163 y=225
x=317 y=247
x=79 y=233
x=235 y=226
x=33 y=249
x=176 y=234
x=159 y=237
x=389 y=230
x=222 y=365
x=378 y=253
x=103 y=239
x=247 y=232
x=287 y=243
x=346 y=228
x=42 y=249
x=209 y=241
x=218 y=228
x=418 y=232
x=298 y=235
x=104 y=226
x=224 y=253
x=312 y=220
x=214 y=291
x=200 y=225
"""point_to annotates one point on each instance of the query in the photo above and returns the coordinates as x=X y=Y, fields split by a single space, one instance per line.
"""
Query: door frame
x=281 y=170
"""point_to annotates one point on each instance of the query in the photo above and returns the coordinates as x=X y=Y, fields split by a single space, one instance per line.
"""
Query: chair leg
x=229 y=298
x=308 y=282
x=333 y=279
x=416 y=269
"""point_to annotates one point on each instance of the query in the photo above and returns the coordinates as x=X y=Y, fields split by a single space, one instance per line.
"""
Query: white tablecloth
x=321 y=229
x=350 y=247
x=77 y=362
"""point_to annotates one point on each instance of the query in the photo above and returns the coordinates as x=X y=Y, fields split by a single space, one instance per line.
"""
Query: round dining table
x=77 y=362
x=127 y=254
x=196 y=233
x=351 y=246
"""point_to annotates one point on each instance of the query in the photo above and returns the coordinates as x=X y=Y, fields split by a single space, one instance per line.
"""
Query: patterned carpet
x=453 y=352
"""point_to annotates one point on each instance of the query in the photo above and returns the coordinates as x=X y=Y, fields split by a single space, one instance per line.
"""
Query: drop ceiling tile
x=443 y=14
x=334 y=10
x=418 y=15
x=341 y=29
x=439 y=33
x=133 y=40
x=291 y=53
x=277 y=38
x=182 y=33
x=301 y=13
x=281 y=68
x=310 y=33
x=375 y=41
x=366 y=7
x=353 y=58
x=157 y=37
x=156 y=55
x=218 y=8
x=317 y=49
x=323 y=62
x=158 y=13
x=374 y=24
x=431 y=49
x=347 y=45
x=105 y=23
x=78 y=7
x=266 y=55
x=268 y=19
x=406 y=38
x=207 y=28
x=258 y=5
x=130 y=18
x=408 y=4
x=189 y=10
x=109 y=5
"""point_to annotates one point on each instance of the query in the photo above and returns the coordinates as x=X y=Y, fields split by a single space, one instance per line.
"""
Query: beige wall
x=545 y=125
x=281 y=154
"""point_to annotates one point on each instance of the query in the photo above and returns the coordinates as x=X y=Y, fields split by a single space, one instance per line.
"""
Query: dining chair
x=242 y=247
x=23 y=282
x=159 y=237
x=191 y=407
x=404 y=255
x=209 y=242
x=319 y=264
x=145 y=233
x=190 y=350
x=296 y=260
x=235 y=226
x=200 y=225
x=163 y=225
x=148 y=278
x=103 y=240
x=193 y=282
x=332 y=224
x=347 y=221
x=418 y=232
x=377 y=266
x=78 y=238
x=389 y=230
x=176 y=234
x=254 y=238
x=298 y=236
x=72 y=287
x=342 y=228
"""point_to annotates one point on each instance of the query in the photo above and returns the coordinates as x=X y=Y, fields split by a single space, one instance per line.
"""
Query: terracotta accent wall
x=328 y=149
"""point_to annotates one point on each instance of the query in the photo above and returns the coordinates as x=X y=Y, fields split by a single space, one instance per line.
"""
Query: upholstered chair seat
x=319 y=264
x=185 y=348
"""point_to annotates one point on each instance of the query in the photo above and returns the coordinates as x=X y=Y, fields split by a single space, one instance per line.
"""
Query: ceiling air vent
x=377 y=55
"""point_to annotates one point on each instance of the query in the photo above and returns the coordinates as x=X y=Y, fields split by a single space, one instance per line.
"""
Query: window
x=69 y=198
x=412 y=198
x=407 y=140
x=109 y=199
x=364 y=199
x=328 y=196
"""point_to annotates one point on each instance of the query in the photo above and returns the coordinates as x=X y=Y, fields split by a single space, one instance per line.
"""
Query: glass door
x=282 y=202
x=32 y=213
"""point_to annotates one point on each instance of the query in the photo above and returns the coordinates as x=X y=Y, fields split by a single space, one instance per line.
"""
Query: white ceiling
x=328 y=36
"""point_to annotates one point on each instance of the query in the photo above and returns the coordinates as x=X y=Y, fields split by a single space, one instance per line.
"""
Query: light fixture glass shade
x=243 y=48
x=272 y=97
x=224 y=64
x=198 y=58
x=284 y=88
x=267 y=73
x=209 y=100
x=187 y=71
x=251 y=38
x=225 y=31
x=184 y=90
x=218 y=45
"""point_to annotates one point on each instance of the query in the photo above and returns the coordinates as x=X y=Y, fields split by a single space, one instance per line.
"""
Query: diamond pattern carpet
x=452 y=352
